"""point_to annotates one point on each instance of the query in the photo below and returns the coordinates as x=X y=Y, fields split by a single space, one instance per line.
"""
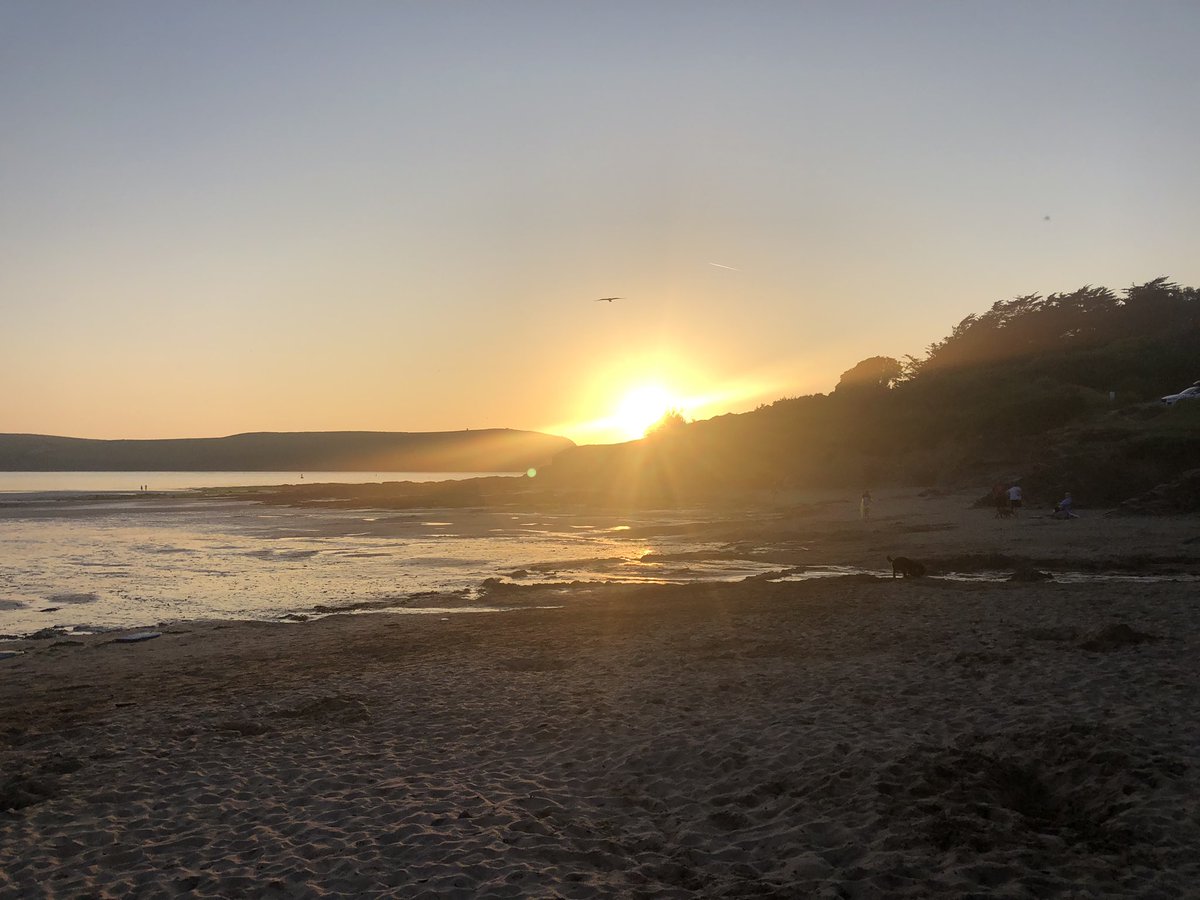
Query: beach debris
x=137 y=636
x=1114 y=637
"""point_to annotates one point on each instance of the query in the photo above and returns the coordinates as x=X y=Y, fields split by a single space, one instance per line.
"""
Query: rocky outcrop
x=1179 y=496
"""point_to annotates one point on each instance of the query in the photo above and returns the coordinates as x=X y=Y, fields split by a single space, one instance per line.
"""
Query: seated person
x=1062 y=509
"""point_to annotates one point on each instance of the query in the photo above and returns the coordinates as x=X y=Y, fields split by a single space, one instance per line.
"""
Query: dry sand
x=853 y=737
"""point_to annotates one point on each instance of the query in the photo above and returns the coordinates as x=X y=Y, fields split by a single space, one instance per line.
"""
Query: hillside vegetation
x=1060 y=391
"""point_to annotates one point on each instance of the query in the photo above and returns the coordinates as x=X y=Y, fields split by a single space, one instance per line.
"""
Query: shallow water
x=133 y=482
x=990 y=576
x=129 y=561
x=126 y=562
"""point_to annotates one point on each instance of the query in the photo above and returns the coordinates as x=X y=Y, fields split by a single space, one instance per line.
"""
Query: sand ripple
x=807 y=739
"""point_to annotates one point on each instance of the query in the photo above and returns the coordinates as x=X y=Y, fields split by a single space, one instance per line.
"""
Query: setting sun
x=642 y=407
x=619 y=401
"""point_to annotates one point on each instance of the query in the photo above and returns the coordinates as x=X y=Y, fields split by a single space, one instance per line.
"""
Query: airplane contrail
x=731 y=268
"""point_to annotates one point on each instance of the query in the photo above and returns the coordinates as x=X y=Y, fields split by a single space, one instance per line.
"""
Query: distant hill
x=487 y=450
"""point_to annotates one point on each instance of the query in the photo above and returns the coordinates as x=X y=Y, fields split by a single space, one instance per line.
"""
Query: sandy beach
x=842 y=737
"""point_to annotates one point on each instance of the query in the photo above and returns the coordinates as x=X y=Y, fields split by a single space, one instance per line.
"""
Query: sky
x=283 y=215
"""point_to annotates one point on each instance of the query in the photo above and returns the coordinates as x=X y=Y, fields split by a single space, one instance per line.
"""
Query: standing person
x=864 y=506
x=1014 y=498
x=999 y=499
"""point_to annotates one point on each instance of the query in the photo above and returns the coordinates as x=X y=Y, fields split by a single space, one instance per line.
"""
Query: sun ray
x=641 y=407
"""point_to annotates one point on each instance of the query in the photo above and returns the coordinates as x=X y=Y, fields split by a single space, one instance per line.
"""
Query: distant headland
x=484 y=450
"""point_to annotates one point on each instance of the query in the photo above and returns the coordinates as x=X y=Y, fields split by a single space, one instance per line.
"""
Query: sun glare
x=642 y=407
x=631 y=396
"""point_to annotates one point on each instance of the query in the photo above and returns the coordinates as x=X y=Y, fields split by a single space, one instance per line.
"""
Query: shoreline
x=784 y=537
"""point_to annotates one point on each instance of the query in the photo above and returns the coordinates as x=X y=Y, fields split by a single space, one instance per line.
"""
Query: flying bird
x=608 y=299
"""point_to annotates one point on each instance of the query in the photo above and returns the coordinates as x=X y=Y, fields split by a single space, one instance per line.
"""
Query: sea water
x=97 y=561
x=91 y=563
x=26 y=482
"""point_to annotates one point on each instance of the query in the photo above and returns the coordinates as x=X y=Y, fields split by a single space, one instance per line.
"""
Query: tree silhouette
x=877 y=372
x=670 y=421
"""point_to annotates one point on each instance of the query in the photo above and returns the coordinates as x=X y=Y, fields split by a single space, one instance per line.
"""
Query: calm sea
x=94 y=561
x=180 y=481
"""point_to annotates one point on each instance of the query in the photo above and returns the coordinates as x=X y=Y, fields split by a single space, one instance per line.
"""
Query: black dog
x=909 y=568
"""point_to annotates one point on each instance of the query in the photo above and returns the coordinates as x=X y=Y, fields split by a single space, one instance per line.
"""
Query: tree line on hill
x=1055 y=390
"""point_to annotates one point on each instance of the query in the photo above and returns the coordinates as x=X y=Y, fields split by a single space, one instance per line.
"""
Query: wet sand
x=859 y=736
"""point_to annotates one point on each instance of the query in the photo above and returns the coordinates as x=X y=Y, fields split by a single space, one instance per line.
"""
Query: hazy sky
x=274 y=215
